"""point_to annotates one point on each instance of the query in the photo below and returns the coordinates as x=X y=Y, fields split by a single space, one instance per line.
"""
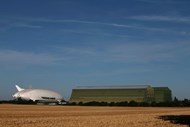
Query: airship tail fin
x=18 y=88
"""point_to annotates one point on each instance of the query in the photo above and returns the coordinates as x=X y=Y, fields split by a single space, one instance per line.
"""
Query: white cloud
x=131 y=26
x=13 y=57
x=95 y=32
x=126 y=53
x=140 y=53
x=163 y=18
x=30 y=23
x=25 y=25
x=165 y=1
x=9 y=24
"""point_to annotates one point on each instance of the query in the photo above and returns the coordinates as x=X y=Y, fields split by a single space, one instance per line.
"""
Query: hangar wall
x=144 y=93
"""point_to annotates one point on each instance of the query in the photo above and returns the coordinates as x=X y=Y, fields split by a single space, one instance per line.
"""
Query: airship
x=38 y=95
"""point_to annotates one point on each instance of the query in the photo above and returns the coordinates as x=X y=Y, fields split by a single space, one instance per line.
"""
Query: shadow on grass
x=177 y=119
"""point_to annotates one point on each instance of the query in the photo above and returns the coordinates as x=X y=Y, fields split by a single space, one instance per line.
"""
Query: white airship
x=38 y=95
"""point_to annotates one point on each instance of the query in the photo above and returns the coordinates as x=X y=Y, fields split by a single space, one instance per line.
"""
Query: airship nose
x=14 y=96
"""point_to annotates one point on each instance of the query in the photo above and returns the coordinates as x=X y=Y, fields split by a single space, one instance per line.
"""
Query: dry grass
x=75 y=116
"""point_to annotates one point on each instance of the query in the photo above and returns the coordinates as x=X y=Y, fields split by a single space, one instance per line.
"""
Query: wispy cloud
x=13 y=57
x=30 y=23
x=9 y=24
x=165 y=1
x=124 y=26
x=25 y=25
x=163 y=18
x=132 y=53
x=95 y=32
x=127 y=26
x=126 y=53
x=81 y=22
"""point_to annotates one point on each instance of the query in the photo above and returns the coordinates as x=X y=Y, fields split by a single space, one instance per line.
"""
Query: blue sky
x=66 y=43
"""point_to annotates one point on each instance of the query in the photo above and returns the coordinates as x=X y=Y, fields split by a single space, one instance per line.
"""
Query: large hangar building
x=140 y=93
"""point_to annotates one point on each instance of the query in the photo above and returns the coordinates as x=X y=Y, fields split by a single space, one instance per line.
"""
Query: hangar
x=138 y=93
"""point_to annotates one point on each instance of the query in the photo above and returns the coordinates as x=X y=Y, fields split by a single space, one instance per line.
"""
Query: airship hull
x=38 y=95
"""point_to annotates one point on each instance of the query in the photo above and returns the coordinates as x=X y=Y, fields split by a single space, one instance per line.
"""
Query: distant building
x=142 y=93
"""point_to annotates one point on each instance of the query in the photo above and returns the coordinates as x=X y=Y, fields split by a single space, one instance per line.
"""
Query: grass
x=76 y=116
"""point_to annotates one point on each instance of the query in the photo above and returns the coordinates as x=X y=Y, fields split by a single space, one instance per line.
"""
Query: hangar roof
x=114 y=87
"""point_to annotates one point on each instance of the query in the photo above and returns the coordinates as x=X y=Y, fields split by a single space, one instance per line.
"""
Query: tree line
x=178 y=103
x=174 y=103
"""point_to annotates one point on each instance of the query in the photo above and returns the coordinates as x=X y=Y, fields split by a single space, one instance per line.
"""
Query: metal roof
x=114 y=87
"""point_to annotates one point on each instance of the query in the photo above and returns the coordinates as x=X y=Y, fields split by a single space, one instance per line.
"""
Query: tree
x=175 y=99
